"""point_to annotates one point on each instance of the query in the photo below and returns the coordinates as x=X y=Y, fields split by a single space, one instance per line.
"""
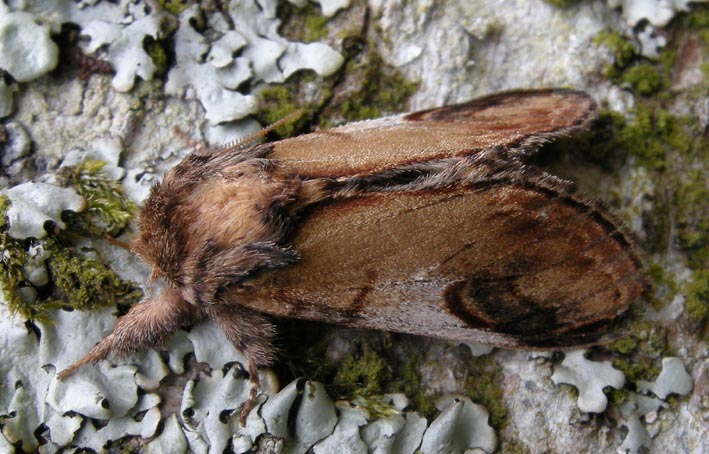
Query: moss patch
x=623 y=51
x=304 y=24
x=644 y=78
x=409 y=384
x=87 y=283
x=75 y=280
x=562 y=3
x=13 y=257
x=382 y=89
x=638 y=356
x=697 y=294
x=277 y=102
x=484 y=386
x=362 y=375
x=108 y=209
x=175 y=6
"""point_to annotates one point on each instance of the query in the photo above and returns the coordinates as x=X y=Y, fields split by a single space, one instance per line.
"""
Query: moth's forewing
x=507 y=263
x=516 y=120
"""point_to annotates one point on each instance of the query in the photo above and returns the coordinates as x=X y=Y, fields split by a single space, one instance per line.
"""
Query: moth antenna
x=238 y=144
x=115 y=242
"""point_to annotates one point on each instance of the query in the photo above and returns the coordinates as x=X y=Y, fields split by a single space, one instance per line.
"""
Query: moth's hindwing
x=501 y=262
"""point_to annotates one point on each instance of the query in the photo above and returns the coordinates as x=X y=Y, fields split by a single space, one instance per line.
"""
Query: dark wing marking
x=514 y=263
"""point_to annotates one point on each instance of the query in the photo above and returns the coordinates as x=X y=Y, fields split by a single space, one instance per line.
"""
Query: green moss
x=409 y=384
x=616 y=397
x=174 y=6
x=644 y=78
x=624 y=346
x=484 y=386
x=639 y=353
x=640 y=368
x=562 y=3
x=698 y=18
x=514 y=447
x=13 y=257
x=87 y=283
x=157 y=54
x=690 y=200
x=108 y=209
x=665 y=285
x=277 y=102
x=363 y=375
x=697 y=295
x=305 y=24
x=382 y=89
x=314 y=24
x=75 y=281
x=648 y=135
x=623 y=50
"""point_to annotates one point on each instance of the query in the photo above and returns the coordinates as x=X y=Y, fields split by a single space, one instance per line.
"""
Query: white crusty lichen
x=26 y=49
x=590 y=378
x=207 y=63
x=657 y=12
x=345 y=438
x=215 y=73
x=214 y=80
x=461 y=426
x=125 y=41
x=632 y=410
x=33 y=204
x=673 y=379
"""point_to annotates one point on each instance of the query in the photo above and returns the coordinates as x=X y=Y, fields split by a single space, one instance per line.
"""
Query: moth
x=429 y=223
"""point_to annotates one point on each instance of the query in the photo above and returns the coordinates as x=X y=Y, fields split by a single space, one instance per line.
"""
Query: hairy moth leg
x=252 y=334
x=214 y=269
x=145 y=325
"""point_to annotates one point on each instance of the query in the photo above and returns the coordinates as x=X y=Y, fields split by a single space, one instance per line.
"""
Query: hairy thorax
x=235 y=206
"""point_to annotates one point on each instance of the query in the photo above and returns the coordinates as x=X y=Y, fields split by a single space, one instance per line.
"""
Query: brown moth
x=427 y=223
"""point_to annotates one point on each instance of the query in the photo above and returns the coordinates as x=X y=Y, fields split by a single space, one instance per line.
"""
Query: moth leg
x=251 y=333
x=145 y=325
x=253 y=392
x=213 y=268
